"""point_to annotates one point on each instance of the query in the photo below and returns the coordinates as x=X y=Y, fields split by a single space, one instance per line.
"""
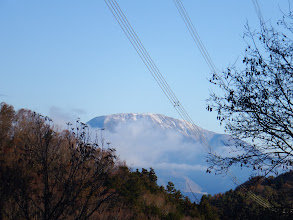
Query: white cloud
x=141 y=144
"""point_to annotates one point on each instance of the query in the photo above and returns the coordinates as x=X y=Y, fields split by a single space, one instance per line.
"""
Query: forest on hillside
x=46 y=173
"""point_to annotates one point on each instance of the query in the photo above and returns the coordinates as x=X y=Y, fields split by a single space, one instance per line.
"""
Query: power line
x=259 y=13
x=191 y=191
x=151 y=66
x=194 y=34
x=138 y=46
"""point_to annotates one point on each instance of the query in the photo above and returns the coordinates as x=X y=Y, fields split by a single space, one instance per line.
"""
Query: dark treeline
x=51 y=174
x=237 y=204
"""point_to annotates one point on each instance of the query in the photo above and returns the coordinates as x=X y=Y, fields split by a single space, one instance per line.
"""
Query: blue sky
x=70 y=59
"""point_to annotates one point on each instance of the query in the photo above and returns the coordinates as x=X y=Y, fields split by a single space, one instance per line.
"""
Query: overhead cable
x=144 y=55
x=258 y=13
x=151 y=66
x=195 y=36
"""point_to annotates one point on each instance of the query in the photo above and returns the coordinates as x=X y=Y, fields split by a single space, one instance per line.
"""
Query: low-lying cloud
x=142 y=144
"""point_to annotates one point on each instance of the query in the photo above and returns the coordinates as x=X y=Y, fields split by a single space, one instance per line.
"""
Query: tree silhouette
x=256 y=103
x=50 y=174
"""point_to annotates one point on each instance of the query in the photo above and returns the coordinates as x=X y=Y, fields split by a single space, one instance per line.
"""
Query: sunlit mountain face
x=169 y=146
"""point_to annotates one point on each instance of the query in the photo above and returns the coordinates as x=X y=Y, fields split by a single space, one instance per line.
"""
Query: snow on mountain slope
x=166 y=144
x=164 y=122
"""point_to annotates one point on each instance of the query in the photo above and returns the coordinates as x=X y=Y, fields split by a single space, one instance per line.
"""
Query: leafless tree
x=256 y=103
x=51 y=174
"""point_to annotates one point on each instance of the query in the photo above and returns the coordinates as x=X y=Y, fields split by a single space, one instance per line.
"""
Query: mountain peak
x=111 y=121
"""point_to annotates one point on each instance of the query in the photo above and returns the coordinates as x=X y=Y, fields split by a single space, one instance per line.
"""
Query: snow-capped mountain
x=168 y=145
x=110 y=122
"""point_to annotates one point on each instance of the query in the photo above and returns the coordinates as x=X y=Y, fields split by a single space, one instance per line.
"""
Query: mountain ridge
x=164 y=121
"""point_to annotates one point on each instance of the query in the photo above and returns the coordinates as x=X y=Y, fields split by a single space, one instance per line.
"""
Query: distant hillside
x=277 y=191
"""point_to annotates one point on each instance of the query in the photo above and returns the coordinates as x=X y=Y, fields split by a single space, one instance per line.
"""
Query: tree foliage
x=256 y=103
x=236 y=204
x=50 y=174
x=47 y=174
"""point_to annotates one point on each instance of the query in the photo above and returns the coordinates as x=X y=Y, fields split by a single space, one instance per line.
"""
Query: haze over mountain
x=169 y=146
